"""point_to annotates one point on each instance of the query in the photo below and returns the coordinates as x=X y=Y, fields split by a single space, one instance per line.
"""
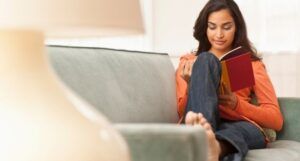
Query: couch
x=136 y=92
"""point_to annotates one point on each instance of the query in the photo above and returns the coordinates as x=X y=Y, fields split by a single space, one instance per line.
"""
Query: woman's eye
x=227 y=27
x=211 y=27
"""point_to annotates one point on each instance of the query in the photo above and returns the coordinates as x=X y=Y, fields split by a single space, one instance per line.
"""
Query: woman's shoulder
x=259 y=67
x=257 y=64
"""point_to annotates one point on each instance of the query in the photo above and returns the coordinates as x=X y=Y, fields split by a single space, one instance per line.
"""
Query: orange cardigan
x=266 y=115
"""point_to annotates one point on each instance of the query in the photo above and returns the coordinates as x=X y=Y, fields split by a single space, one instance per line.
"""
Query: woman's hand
x=228 y=98
x=187 y=70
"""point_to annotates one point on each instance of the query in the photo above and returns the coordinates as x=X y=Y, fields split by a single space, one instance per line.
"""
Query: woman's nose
x=220 y=33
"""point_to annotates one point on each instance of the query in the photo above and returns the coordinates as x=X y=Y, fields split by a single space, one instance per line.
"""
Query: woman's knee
x=207 y=58
x=207 y=62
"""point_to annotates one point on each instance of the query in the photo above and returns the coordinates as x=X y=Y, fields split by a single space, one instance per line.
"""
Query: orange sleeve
x=181 y=89
x=181 y=85
x=267 y=114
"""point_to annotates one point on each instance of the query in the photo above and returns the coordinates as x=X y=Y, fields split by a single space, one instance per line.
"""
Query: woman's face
x=220 y=31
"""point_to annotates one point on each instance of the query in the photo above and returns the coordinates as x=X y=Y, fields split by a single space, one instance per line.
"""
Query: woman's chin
x=219 y=49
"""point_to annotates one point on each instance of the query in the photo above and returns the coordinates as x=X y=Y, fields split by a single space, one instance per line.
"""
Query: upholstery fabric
x=125 y=86
x=281 y=150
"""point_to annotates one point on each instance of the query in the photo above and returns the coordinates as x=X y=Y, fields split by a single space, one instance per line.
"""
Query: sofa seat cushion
x=281 y=150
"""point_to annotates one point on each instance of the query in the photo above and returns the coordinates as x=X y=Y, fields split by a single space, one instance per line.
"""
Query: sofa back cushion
x=126 y=86
x=290 y=108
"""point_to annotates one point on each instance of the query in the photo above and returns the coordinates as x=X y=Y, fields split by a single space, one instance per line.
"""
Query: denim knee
x=208 y=62
x=207 y=58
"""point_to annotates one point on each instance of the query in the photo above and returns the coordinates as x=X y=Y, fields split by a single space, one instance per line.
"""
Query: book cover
x=237 y=71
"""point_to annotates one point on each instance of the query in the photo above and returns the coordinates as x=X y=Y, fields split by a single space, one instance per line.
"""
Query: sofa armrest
x=290 y=108
x=164 y=142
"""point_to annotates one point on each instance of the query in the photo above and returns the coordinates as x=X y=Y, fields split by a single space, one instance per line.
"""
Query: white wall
x=283 y=69
x=173 y=22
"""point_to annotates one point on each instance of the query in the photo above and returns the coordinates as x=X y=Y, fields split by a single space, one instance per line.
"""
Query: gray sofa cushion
x=165 y=142
x=140 y=85
x=281 y=150
x=290 y=108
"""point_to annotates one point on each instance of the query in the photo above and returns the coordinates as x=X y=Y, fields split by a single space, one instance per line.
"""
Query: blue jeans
x=203 y=98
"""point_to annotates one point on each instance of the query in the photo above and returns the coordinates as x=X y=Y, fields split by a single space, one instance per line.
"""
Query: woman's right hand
x=187 y=70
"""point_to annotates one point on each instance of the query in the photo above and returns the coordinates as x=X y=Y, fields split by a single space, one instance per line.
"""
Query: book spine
x=224 y=78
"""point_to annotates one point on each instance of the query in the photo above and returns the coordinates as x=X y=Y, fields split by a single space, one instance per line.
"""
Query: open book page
x=233 y=53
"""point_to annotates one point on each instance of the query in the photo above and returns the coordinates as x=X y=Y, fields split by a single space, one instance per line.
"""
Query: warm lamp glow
x=40 y=120
x=73 y=18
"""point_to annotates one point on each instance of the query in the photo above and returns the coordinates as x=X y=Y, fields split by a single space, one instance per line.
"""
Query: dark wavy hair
x=240 y=36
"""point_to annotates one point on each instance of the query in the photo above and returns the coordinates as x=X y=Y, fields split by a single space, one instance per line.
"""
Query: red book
x=237 y=71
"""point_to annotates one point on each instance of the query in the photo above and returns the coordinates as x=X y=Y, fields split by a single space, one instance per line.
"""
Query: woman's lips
x=219 y=42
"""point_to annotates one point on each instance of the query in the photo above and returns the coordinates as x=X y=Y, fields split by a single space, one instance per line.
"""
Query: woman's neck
x=218 y=53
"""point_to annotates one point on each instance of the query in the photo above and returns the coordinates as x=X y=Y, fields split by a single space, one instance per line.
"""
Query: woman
x=233 y=125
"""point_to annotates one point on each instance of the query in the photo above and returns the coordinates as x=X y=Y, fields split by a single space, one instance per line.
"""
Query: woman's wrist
x=236 y=102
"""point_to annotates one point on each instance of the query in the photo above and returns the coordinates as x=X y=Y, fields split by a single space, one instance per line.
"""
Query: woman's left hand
x=228 y=98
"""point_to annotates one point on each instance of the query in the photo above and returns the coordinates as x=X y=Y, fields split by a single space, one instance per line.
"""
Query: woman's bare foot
x=214 y=148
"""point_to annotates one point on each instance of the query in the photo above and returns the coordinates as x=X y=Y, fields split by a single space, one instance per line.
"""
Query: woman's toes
x=202 y=121
x=207 y=126
x=190 y=118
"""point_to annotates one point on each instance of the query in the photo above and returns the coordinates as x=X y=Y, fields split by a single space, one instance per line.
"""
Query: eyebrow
x=226 y=23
